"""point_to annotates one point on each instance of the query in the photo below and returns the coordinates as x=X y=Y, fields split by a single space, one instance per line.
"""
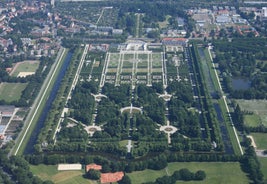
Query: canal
x=33 y=138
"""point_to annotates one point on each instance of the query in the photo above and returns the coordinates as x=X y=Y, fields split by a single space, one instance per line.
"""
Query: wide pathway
x=39 y=99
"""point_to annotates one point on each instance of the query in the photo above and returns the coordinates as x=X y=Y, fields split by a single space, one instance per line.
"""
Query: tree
x=200 y=175
x=93 y=174
x=166 y=180
x=186 y=175
x=125 y=180
x=176 y=175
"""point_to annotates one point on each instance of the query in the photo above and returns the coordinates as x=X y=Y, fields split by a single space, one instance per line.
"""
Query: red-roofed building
x=93 y=166
x=111 y=177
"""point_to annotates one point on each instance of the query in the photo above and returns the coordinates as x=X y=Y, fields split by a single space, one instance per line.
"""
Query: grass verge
x=229 y=127
x=38 y=106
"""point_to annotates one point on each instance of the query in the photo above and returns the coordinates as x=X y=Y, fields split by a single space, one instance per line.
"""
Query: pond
x=240 y=83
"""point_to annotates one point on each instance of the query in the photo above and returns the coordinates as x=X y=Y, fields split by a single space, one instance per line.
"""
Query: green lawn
x=263 y=162
x=123 y=143
x=11 y=91
x=260 y=140
x=26 y=66
x=258 y=107
x=252 y=120
x=217 y=172
x=50 y=172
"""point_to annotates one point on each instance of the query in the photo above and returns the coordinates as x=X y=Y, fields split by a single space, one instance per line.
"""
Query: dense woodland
x=243 y=58
x=16 y=170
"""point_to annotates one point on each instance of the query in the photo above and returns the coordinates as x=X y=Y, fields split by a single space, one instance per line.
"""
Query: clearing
x=259 y=109
x=11 y=91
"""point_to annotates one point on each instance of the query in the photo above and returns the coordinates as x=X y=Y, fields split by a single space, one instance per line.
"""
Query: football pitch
x=26 y=66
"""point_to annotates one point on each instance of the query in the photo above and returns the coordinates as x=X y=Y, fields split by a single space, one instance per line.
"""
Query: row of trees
x=182 y=174
x=158 y=162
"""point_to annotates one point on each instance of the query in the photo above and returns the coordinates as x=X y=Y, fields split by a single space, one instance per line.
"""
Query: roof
x=7 y=108
x=174 y=39
x=93 y=166
x=111 y=177
x=69 y=167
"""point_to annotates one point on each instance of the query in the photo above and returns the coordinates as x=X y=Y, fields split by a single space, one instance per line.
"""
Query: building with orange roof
x=93 y=166
x=111 y=177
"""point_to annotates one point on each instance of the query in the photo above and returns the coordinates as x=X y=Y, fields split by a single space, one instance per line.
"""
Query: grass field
x=258 y=107
x=142 y=64
x=217 y=172
x=11 y=91
x=252 y=120
x=26 y=66
x=113 y=64
x=260 y=140
x=263 y=162
x=50 y=172
x=142 y=56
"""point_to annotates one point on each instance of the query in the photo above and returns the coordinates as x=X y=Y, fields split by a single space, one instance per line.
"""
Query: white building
x=264 y=11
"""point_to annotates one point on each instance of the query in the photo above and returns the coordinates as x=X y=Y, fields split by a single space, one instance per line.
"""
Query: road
x=225 y=102
x=37 y=102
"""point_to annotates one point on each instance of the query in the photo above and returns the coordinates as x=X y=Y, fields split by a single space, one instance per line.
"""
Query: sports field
x=25 y=66
x=217 y=172
x=259 y=109
x=50 y=172
x=11 y=91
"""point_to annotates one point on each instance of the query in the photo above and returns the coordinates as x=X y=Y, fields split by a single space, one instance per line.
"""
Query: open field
x=252 y=120
x=50 y=172
x=25 y=66
x=260 y=140
x=263 y=161
x=258 y=107
x=11 y=91
x=217 y=172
